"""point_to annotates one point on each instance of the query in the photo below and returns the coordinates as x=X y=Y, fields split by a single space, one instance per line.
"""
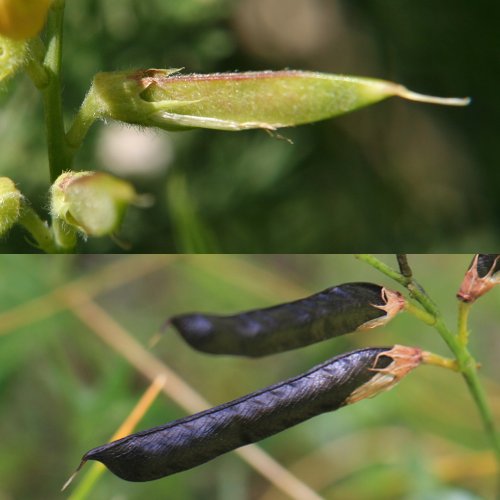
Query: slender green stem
x=59 y=157
x=38 y=229
x=430 y=358
x=420 y=313
x=382 y=267
x=466 y=363
x=463 y=318
x=35 y=67
x=83 y=120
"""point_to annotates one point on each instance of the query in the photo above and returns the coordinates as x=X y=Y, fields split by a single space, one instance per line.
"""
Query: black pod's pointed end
x=127 y=460
x=196 y=329
x=70 y=479
x=158 y=335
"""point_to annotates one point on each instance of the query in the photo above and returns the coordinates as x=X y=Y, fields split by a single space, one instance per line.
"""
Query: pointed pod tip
x=445 y=101
x=70 y=480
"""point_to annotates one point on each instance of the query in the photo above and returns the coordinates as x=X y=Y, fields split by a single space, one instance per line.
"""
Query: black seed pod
x=330 y=313
x=483 y=274
x=194 y=440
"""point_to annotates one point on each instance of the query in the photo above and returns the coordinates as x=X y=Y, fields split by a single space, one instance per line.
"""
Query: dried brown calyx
x=482 y=275
x=404 y=360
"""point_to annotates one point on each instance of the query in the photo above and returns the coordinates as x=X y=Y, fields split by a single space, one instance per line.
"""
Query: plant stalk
x=38 y=229
x=58 y=151
x=467 y=365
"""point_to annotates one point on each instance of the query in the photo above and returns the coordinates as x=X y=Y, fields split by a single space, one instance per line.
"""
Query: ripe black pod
x=335 y=311
x=194 y=440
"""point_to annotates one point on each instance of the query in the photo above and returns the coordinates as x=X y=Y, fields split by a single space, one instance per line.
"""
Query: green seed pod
x=10 y=204
x=238 y=101
x=93 y=202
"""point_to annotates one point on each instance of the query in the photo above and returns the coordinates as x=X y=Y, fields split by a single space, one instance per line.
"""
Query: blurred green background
x=64 y=391
x=395 y=175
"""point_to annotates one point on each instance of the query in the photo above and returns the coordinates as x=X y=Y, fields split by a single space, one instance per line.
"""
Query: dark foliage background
x=395 y=175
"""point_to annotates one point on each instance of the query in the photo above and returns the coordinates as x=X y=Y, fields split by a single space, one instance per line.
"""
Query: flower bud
x=22 y=19
x=93 y=202
x=13 y=55
x=10 y=204
x=238 y=101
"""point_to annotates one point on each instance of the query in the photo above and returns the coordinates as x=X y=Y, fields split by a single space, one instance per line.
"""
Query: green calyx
x=92 y=202
x=10 y=204
x=13 y=56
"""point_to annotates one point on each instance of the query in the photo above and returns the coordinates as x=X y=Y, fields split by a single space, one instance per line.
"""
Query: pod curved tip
x=70 y=480
x=445 y=101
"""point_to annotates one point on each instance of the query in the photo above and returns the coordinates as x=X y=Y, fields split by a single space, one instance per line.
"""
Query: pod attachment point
x=394 y=302
x=404 y=360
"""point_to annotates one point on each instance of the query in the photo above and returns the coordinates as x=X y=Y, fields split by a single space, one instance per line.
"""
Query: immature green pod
x=483 y=274
x=237 y=101
x=194 y=440
x=335 y=311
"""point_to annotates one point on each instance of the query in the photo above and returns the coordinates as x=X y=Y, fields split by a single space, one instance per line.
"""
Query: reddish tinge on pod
x=237 y=101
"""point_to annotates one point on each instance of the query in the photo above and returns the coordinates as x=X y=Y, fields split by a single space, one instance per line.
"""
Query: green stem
x=59 y=157
x=430 y=358
x=467 y=365
x=35 y=67
x=463 y=318
x=38 y=229
x=382 y=267
x=420 y=313
x=86 y=116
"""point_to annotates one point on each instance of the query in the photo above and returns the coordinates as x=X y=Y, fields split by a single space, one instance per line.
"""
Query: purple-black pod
x=335 y=311
x=196 y=439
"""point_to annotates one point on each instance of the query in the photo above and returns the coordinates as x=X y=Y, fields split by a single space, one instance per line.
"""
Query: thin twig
x=404 y=267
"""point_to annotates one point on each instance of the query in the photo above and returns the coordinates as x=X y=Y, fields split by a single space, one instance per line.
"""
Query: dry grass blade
x=254 y=278
x=117 y=273
x=103 y=325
